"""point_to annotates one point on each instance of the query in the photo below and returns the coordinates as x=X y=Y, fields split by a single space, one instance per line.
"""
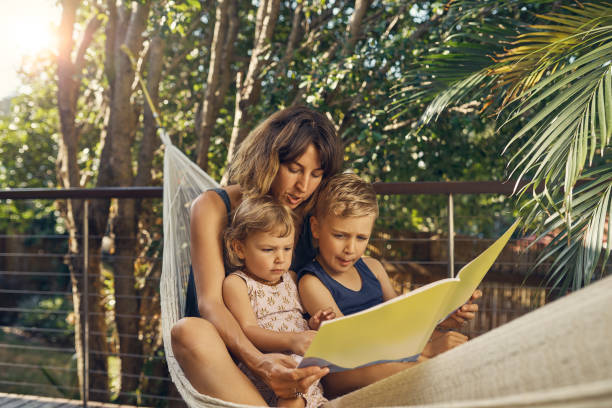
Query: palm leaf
x=557 y=76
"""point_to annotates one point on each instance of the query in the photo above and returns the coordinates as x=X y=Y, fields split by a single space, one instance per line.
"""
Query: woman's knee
x=191 y=332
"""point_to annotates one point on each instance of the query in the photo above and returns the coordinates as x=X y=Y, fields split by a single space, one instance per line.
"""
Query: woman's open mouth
x=293 y=200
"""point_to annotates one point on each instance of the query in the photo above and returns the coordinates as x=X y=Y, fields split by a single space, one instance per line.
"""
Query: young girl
x=261 y=292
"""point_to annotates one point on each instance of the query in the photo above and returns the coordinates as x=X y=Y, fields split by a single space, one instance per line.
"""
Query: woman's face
x=297 y=180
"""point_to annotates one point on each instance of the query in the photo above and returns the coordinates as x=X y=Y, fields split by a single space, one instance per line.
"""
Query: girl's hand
x=464 y=313
x=325 y=314
x=301 y=341
x=280 y=373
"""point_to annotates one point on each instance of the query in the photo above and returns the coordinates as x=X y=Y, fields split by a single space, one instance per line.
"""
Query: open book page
x=378 y=334
x=470 y=276
x=398 y=329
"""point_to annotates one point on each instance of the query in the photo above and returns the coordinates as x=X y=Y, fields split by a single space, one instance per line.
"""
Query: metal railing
x=450 y=189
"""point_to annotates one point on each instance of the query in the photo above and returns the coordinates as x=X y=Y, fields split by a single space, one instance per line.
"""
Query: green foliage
x=552 y=86
x=28 y=147
x=52 y=313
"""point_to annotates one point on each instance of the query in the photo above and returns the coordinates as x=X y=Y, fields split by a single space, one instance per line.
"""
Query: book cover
x=398 y=330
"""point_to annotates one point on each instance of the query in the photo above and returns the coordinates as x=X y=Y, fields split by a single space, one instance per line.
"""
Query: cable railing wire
x=38 y=367
x=31 y=385
x=36 y=329
x=132 y=355
x=37 y=348
x=148 y=377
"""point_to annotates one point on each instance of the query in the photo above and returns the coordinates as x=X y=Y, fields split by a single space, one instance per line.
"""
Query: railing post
x=451 y=237
x=85 y=299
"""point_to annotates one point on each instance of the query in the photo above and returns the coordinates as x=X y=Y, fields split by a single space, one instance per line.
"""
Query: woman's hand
x=300 y=341
x=464 y=313
x=325 y=314
x=280 y=373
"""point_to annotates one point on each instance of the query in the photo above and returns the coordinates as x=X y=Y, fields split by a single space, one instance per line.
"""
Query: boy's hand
x=441 y=342
x=301 y=341
x=319 y=317
x=464 y=313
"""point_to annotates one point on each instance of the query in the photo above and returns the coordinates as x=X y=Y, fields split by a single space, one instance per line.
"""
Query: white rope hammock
x=557 y=356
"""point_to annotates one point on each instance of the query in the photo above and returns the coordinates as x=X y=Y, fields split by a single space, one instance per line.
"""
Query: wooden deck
x=34 y=401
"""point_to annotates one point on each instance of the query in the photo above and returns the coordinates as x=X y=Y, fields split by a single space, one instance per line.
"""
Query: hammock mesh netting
x=557 y=356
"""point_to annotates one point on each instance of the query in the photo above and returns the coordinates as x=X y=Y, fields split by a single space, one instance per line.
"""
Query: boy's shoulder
x=309 y=268
x=375 y=265
x=309 y=284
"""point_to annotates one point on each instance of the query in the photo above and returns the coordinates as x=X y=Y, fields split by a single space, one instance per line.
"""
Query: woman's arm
x=235 y=295
x=208 y=221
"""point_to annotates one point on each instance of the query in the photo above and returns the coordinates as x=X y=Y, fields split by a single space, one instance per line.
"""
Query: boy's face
x=266 y=254
x=342 y=240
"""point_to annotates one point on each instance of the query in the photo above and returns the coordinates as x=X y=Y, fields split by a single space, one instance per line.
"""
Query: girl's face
x=297 y=180
x=266 y=254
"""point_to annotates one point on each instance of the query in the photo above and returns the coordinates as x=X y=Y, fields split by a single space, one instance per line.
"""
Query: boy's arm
x=236 y=298
x=379 y=271
x=315 y=296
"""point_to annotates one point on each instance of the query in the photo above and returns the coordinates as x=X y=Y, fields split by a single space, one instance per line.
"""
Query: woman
x=287 y=156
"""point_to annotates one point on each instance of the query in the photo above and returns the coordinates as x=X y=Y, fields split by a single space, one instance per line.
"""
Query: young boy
x=341 y=278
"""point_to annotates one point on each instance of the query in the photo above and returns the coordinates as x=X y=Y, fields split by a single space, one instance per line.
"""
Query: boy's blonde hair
x=257 y=214
x=347 y=195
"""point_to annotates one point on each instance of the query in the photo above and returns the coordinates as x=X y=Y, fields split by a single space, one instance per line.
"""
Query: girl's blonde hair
x=347 y=195
x=280 y=139
x=256 y=214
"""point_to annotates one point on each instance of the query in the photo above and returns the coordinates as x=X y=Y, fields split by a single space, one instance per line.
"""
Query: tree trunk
x=219 y=74
x=72 y=211
x=248 y=90
x=129 y=24
x=150 y=138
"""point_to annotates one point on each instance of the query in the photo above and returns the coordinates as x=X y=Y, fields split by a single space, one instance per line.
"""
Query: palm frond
x=577 y=249
x=556 y=76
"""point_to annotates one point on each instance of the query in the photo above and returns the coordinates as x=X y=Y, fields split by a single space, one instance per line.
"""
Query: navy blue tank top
x=349 y=301
x=303 y=253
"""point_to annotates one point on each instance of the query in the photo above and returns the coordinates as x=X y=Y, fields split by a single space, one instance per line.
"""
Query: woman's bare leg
x=336 y=384
x=207 y=364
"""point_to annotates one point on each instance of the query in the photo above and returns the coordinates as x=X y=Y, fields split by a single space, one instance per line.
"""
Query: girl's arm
x=379 y=271
x=208 y=222
x=315 y=296
x=235 y=295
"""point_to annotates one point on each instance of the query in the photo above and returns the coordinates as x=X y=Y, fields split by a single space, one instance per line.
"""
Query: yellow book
x=398 y=330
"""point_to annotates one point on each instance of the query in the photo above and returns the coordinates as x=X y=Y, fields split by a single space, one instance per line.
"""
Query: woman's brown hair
x=282 y=138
